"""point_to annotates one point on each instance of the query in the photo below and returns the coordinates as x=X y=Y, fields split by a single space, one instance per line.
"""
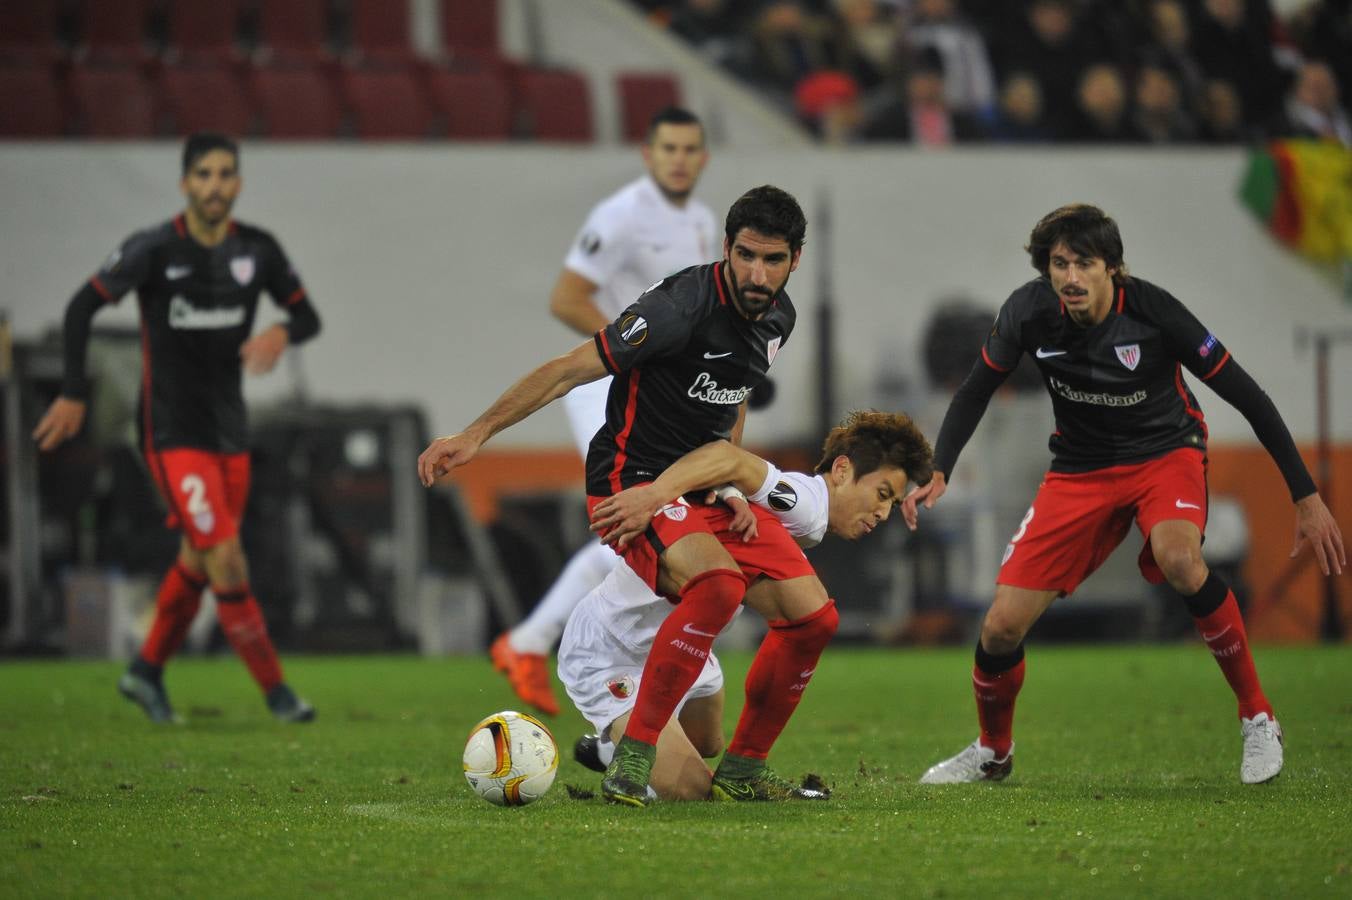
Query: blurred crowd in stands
x=938 y=72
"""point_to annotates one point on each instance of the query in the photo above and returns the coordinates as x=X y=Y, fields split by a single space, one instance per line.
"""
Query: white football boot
x=1262 y=749
x=975 y=763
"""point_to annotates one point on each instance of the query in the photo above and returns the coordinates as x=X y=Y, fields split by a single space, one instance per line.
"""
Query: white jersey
x=614 y=625
x=631 y=240
x=636 y=237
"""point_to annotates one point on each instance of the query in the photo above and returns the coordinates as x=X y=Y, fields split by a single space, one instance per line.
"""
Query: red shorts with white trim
x=773 y=553
x=205 y=492
x=1078 y=519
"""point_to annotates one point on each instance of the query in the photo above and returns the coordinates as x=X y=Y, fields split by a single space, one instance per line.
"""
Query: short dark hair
x=771 y=212
x=672 y=115
x=203 y=142
x=1086 y=230
x=872 y=439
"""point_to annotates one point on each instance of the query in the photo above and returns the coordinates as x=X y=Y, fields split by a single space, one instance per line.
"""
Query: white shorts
x=601 y=674
x=586 y=409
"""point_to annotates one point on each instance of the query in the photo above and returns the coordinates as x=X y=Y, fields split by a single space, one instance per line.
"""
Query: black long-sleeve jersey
x=1117 y=388
x=684 y=359
x=197 y=307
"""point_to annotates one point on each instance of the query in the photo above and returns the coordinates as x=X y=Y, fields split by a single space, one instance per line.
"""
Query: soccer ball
x=511 y=759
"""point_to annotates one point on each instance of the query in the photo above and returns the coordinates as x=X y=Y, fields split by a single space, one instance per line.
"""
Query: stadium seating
x=206 y=98
x=296 y=101
x=112 y=102
x=386 y=103
x=293 y=30
x=204 y=31
x=114 y=33
x=554 y=105
x=470 y=25
x=28 y=32
x=475 y=104
x=641 y=96
x=379 y=31
x=31 y=104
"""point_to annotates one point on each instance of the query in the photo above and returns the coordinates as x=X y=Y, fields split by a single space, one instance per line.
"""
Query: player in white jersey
x=864 y=468
x=637 y=236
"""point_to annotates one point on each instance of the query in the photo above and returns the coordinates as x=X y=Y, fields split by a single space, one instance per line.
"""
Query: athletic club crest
x=675 y=512
x=1129 y=355
x=242 y=267
x=771 y=349
x=621 y=688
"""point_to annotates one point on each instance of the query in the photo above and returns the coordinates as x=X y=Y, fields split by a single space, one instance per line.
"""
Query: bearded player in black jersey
x=1130 y=443
x=197 y=279
x=685 y=356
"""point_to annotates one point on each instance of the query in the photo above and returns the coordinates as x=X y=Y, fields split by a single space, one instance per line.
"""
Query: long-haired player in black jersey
x=197 y=279
x=1130 y=444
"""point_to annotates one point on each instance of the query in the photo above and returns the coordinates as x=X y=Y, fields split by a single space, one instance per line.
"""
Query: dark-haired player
x=1129 y=445
x=685 y=357
x=197 y=279
x=864 y=467
x=637 y=236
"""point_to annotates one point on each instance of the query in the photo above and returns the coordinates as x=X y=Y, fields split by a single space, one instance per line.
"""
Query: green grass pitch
x=1126 y=784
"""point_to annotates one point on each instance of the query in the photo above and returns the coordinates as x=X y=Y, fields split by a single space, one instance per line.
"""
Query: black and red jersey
x=197 y=307
x=1117 y=387
x=684 y=359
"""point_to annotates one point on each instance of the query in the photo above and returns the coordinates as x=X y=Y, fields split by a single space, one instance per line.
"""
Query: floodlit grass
x=1126 y=783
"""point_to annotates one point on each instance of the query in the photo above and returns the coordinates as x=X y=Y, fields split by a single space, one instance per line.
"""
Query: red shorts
x=774 y=553
x=1077 y=520
x=205 y=492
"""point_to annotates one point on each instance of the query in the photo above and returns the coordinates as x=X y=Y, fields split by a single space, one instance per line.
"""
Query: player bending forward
x=864 y=468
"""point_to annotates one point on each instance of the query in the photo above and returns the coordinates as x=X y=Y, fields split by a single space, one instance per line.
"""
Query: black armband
x=964 y=414
x=1236 y=387
x=75 y=341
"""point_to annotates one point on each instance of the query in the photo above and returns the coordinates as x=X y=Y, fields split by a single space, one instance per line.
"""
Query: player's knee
x=1182 y=565
x=718 y=592
x=817 y=627
x=709 y=745
x=1001 y=634
x=692 y=785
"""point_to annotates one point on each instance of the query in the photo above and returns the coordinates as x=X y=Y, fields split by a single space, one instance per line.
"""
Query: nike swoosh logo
x=691 y=629
x=737 y=791
x=1181 y=505
x=1216 y=636
x=1044 y=354
x=708 y=355
x=806 y=673
x=174 y=273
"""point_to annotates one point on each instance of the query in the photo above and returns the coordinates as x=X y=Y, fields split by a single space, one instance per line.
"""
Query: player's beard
x=751 y=301
x=215 y=214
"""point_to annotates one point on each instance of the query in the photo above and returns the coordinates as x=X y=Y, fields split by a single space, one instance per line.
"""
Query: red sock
x=1224 y=634
x=242 y=622
x=779 y=674
x=995 y=695
x=175 y=607
x=678 y=654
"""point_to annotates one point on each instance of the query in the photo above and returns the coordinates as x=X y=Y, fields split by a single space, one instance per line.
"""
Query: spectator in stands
x=1159 y=117
x=714 y=27
x=1312 y=109
x=920 y=115
x=969 y=80
x=1324 y=31
x=828 y=104
x=869 y=29
x=1221 y=114
x=1233 y=42
x=1051 y=47
x=1169 y=44
x=1102 y=107
x=1020 y=115
x=789 y=43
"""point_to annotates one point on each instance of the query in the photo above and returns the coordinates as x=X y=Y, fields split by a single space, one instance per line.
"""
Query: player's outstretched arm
x=620 y=518
x=927 y=494
x=572 y=303
x=1314 y=523
x=548 y=382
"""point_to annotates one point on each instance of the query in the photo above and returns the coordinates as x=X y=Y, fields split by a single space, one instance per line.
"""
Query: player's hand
x=928 y=494
x=1314 y=523
x=621 y=517
x=443 y=455
x=261 y=352
x=743 y=519
x=61 y=421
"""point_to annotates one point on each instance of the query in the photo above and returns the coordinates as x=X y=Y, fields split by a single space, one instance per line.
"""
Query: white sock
x=605 y=750
x=542 y=628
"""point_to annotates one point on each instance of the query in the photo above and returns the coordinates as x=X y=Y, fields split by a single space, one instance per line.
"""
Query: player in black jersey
x=1130 y=443
x=197 y=279
x=685 y=356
